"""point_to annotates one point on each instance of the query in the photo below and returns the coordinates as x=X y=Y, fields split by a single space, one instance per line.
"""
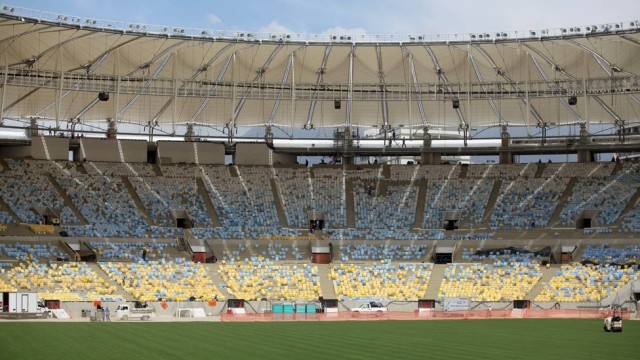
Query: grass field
x=458 y=339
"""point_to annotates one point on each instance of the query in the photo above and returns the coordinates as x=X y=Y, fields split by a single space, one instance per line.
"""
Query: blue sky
x=350 y=16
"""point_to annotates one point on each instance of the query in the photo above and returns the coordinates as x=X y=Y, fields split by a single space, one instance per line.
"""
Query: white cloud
x=275 y=28
x=213 y=19
x=339 y=30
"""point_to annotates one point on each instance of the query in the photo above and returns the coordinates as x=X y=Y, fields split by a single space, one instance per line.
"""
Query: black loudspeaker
x=456 y=104
x=337 y=104
x=103 y=96
x=573 y=100
x=521 y=304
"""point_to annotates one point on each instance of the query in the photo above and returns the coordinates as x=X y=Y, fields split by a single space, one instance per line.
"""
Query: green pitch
x=459 y=339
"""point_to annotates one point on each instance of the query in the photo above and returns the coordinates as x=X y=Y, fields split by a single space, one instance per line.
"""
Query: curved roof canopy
x=55 y=66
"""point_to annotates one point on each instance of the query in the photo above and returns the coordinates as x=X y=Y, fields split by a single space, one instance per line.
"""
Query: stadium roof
x=176 y=76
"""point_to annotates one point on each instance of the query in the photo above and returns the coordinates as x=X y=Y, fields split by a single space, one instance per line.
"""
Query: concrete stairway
x=437 y=275
x=326 y=285
x=540 y=170
x=282 y=218
x=350 y=203
x=562 y=202
x=386 y=172
x=202 y=191
x=157 y=170
x=491 y=203
x=547 y=274
x=67 y=200
x=81 y=169
x=137 y=201
x=212 y=271
x=422 y=191
x=630 y=205
x=463 y=172
x=616 y=169
x=119 y=290
x=7 y=208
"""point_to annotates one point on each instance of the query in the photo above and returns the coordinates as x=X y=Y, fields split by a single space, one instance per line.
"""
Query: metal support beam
x=212 y=92
x=319 y=81
x=443 y=78
x=417 y=90
x=492 y=103
x=607 y=108
x=500 y=72
x=146 y=86
x=200 y=70
x=285 y=79
x=544 y=75
x=260 y=74
x=383 y=87
x=4 y=88
x=350 y=87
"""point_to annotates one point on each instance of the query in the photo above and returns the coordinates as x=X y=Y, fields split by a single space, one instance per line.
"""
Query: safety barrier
x=429 y=315
x=42 y=229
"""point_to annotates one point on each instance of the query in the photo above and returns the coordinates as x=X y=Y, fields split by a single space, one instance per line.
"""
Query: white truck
x=126 y=312
x=613 y=324
x=370 y=308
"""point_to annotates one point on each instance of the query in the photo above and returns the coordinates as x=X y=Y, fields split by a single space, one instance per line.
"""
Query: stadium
x=280 y=195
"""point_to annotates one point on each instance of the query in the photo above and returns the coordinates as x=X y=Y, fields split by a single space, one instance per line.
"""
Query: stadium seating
x=608 y=196
x=30 y=252
x=256 y=278
x=174 y=280
x=381 y=252
x=501 y=281
x=631 y=222
x=604 y=254
x=106 y=204
x=65 y=281
x=25 y=187
x=129 y=250
x=580 y=283
x=387 y=214
x=380 y=280
x=467 y=196
x=526 y=203
x=162 y=194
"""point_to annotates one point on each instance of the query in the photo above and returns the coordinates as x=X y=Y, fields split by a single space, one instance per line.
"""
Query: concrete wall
x=58 y=148
x=284 y=159
x=15 y=152
x=101 y=150
x=173 y=152
x=252 y=154
x=210 y=153
x=134 y=150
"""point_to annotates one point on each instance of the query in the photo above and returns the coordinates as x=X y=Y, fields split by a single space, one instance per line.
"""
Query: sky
x=349 y=16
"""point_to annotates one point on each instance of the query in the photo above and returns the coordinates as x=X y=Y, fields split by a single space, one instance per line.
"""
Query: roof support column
x=293 y=91
x=174 y=97
x=417 y=90
x=233 y=99
x=383 y=88
x=350 y=87
x=4 y=88
x=116 y=100
x=59 y=91
x=319 y=81
x=285 y=78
